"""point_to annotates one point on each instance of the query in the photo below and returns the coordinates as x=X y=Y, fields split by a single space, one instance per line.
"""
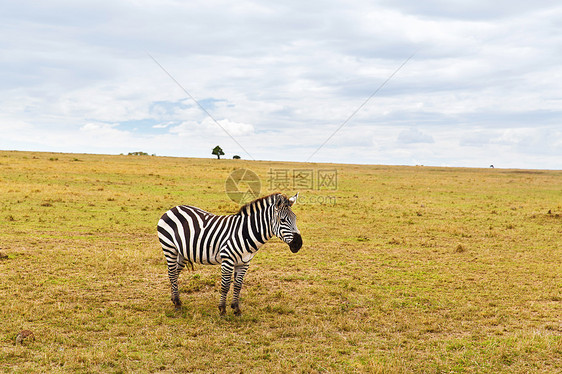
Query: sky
x=284 y=80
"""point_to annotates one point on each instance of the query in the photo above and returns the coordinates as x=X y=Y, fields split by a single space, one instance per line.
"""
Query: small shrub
x=460 y=249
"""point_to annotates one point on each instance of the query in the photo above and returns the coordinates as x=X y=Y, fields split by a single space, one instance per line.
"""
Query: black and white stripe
x=191 y=235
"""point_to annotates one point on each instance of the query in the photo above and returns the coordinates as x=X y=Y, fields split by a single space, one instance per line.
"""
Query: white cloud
x=102 y=130
x=234 y=128
x=208 y=127
x=283 y=76
x=414 y=135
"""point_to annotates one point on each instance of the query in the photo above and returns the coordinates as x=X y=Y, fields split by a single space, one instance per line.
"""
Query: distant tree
x=138 y=154
x=217 y=151
x=236 y=157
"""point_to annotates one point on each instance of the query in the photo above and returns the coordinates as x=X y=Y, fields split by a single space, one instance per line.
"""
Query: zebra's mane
x=246 y=209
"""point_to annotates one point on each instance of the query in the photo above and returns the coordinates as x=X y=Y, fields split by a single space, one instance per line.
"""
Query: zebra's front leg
x=239 y=272
x=226 y=278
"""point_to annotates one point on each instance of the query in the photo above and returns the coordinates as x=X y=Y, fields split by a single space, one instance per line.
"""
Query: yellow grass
x=403 y=270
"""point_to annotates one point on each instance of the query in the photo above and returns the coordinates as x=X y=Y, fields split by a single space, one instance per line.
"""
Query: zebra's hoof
x=236 y=308
x=222 y=310
x=177 y=303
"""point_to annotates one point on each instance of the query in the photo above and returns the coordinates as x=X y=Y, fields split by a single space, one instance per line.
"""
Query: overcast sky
x=484 y=85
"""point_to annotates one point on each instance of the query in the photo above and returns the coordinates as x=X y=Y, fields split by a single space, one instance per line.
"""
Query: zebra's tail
x=191 y=264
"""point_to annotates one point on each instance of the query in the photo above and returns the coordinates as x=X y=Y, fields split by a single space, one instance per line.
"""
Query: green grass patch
x=406 y=270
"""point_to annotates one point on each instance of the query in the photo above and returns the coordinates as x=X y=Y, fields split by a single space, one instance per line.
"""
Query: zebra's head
x=285 y=222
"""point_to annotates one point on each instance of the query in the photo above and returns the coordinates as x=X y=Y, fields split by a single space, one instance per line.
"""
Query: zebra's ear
x=279 y=201
x=293 y=199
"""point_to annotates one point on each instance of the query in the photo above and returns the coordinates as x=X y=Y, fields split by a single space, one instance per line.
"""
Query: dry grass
x=413 y=269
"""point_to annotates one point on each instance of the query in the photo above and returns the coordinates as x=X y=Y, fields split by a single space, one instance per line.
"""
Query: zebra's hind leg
x=239 y=272
x=173 y=275
x=226 y=278
x=175 y=264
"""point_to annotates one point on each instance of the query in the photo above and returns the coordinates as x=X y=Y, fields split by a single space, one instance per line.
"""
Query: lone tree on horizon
x=218 y=152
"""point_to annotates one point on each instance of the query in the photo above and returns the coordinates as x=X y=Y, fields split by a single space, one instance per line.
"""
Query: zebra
x=191 y=235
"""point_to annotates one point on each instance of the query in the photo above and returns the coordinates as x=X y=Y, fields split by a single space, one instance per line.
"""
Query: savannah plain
x=403 y=270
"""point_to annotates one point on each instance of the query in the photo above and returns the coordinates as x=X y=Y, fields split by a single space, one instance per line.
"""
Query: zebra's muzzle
x=296 y=243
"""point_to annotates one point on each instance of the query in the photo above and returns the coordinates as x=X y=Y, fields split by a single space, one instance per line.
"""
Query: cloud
x=208 y=127
x=162 y=125
x=103 y=129
x=281 y=77
x=413 y=135
x=235 y=128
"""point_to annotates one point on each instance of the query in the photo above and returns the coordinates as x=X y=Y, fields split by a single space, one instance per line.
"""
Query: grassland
x=404 y=270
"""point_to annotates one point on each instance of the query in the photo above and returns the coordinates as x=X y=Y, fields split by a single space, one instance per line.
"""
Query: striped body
x=191 y=235
x=204 y=238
